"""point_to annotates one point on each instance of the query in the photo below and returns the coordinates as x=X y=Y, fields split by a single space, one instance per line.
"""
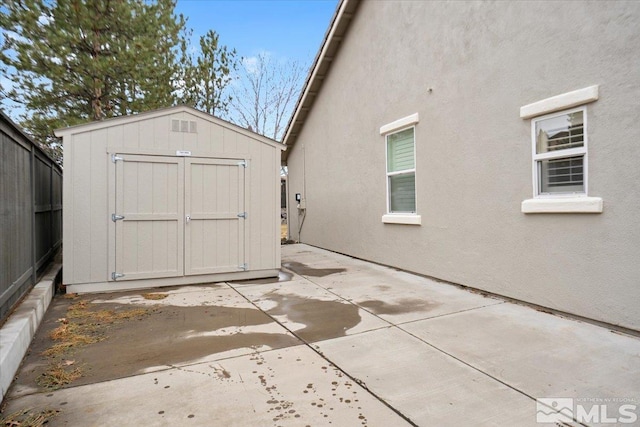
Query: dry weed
x=28 y=418
x=81 y=326
x=58 y=375
x=152 y=296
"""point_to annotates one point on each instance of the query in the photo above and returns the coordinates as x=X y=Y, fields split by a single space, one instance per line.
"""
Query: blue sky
x=288 y=29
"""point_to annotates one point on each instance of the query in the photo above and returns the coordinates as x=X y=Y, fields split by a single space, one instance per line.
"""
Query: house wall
x=87 y=174
x=483 y=61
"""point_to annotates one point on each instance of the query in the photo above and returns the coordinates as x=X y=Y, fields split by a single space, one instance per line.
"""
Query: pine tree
x=72 y=61
x=207 y=76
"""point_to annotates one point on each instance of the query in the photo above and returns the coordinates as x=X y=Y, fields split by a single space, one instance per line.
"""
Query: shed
x=169 y=197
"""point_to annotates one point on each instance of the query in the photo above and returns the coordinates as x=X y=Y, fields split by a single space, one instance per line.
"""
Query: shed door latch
x=115 y=217
x=115 y=276
x=243 y=215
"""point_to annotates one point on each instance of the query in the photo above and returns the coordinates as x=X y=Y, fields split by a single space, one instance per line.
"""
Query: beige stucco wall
x=483 y=61
x=88 y=170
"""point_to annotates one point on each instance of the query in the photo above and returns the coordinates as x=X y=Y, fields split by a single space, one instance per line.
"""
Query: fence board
x=30 y=213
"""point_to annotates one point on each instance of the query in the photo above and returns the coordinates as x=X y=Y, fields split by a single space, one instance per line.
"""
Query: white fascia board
x=560 y=102
x=400 y=123
x=563 y=205
x=402 y=219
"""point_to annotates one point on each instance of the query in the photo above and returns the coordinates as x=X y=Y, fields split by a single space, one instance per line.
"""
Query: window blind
x=562 y=175
x=402 y=193
x=400 y=151
x=401 y=171
x=560 y=145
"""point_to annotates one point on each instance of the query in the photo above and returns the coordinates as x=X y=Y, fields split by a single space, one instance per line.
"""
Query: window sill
x=563 y=205
x=401 y=219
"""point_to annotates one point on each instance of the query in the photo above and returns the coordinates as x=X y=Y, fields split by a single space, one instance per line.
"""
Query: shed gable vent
x=188 y=126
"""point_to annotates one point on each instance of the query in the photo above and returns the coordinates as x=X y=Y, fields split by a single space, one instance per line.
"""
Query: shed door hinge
x=243 y=163
x=244 y=215
x=244 y=267
x=115 y=158
x=115 y=276
x=115 y=217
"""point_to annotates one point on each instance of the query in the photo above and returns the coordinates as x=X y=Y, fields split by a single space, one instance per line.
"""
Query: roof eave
x=121 y=120
x=338 y=28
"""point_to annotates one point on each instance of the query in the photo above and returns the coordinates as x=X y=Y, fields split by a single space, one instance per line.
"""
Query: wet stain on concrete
x=322 y=319
x=167 y=342
x=283 y=276
x=406 y=305
x=167 y=336
x=305 y=270
x=279 y=407
x=344 y=392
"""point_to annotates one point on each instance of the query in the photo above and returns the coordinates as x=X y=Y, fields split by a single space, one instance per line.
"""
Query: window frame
x=402 y=124
x=559 y=154
x=402 y=172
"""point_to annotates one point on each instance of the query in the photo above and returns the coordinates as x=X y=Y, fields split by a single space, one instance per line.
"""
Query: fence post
x=50 y=233
x=33 y=215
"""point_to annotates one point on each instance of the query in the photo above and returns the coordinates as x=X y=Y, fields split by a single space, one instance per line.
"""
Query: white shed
x=169 y=197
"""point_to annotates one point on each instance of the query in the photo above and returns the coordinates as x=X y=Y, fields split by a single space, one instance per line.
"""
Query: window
x=560 y=153
x=401 y=172
x=400 y=146
x=559 y=136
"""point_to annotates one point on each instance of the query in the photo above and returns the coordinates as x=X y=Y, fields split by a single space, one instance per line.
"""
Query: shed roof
x=117 y=121
x=339 y=25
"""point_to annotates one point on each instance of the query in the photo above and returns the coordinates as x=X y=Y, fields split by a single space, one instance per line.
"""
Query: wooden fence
x=30 y=213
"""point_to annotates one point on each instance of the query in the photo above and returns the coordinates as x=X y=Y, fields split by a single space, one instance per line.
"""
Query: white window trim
x=400 y=124
x=560 y=102
x=409 y=219
x=563 y=205
x=567 y=202
x=394 y=127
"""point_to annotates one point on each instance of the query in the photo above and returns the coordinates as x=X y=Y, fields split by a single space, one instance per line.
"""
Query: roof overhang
x=338 y=28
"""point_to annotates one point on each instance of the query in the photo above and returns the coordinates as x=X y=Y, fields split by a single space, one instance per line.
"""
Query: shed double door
x=178 y=216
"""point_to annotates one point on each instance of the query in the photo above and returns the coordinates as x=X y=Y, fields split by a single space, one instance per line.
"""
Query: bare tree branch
x=265 y=94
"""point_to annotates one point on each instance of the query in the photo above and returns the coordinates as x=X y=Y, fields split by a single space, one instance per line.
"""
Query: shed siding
x=483 y=61
x=87 y=175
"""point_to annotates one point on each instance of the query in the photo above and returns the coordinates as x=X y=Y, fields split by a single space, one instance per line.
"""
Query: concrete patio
x=338 y=341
